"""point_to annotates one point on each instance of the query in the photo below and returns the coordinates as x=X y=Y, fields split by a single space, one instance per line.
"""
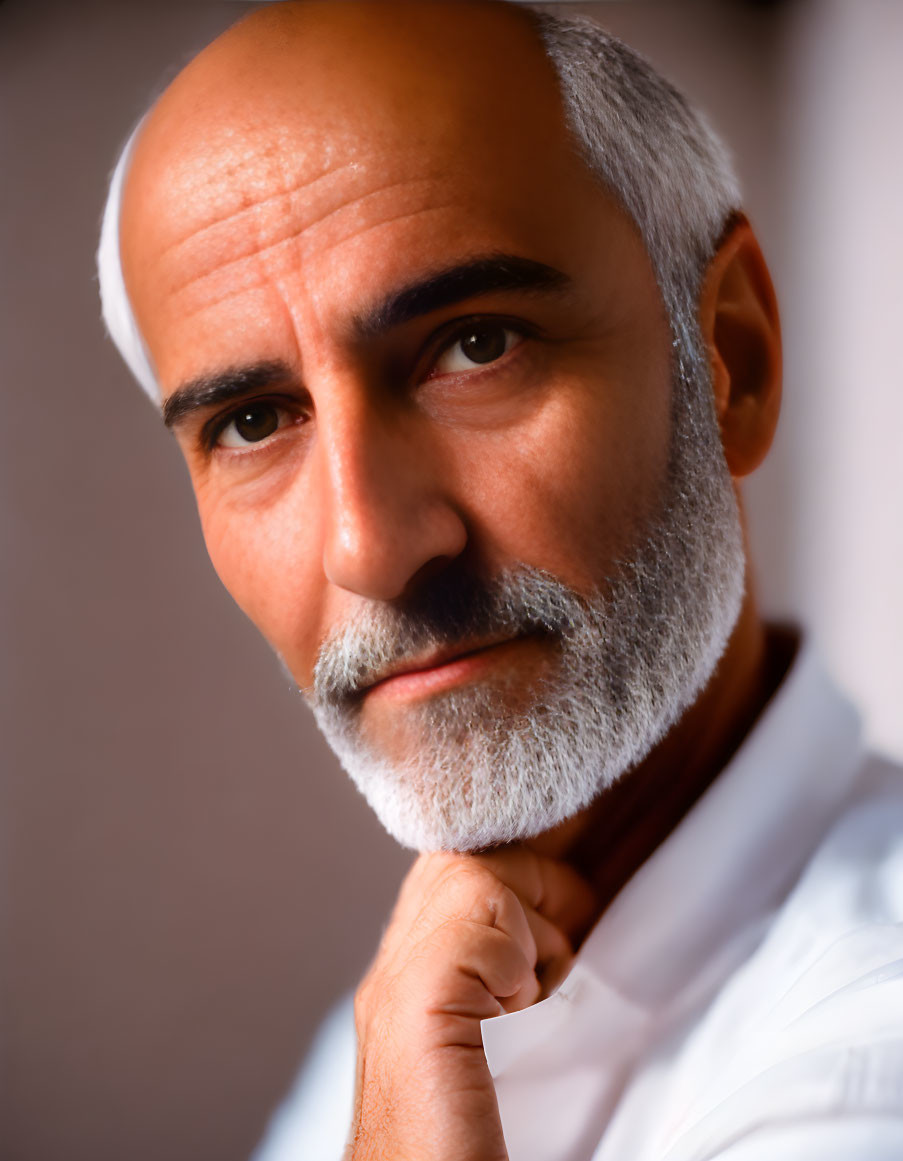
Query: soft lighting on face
x=628 y=661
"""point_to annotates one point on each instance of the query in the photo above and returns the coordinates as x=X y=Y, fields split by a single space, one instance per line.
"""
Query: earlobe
x=738 y=316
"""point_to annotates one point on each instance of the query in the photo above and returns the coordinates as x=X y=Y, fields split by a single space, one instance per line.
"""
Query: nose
x=388 y=517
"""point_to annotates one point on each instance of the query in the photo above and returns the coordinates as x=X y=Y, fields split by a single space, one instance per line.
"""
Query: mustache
x=459 y=607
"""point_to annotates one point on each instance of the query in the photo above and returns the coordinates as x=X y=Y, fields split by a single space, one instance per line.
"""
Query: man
x=467 y=344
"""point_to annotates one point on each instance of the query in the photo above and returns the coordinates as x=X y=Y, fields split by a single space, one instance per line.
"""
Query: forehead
x=371 y=135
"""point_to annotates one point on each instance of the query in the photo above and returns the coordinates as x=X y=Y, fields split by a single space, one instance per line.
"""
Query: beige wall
x=845 y=310
x=188 y=879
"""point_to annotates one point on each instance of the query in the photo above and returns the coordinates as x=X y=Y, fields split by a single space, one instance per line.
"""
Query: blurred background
x=187 y=879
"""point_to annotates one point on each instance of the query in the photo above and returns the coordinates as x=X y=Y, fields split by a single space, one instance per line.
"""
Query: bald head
x=306 y=116
x=363 y=64
x=313 y=79
x=320 y=84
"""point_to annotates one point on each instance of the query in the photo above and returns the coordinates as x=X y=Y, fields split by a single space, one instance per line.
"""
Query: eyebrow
x=477 y=276
x=222 y=387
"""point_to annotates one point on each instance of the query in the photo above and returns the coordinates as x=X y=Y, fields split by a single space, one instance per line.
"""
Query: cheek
x=571 y=491
x=269 y=565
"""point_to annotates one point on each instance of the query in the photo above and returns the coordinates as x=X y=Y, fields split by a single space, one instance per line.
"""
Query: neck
x=610 y=840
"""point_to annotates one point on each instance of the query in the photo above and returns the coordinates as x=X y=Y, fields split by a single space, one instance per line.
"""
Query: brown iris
x=256 y=423
x=484 y=344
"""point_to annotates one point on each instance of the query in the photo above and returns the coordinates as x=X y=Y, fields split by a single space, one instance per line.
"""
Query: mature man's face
x=428 y=351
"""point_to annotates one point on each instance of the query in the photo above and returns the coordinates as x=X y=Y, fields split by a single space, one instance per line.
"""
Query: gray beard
x=632 y=657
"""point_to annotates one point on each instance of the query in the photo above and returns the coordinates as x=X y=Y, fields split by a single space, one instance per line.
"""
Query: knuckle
x=471 y=890
x=513 y=972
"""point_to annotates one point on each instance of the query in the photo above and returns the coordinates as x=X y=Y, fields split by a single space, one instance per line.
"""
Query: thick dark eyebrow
x=477 y=276
x=222 y=387
x=481 y=275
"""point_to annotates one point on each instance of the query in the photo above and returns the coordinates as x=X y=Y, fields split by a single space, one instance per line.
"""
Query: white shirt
x=742 y=997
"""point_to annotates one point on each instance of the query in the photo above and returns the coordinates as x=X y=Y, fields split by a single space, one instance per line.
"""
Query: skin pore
x=295 y=199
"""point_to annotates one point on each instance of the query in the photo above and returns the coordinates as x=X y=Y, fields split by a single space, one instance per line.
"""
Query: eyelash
x=462 y=328
x=213 y=430
x=456 y=332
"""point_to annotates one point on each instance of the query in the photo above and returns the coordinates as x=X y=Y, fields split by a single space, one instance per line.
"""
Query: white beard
x=631 y=659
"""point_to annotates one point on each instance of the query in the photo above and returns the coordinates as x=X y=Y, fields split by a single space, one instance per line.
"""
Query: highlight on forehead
x=298 y=93
x=634 y=134
x=313 y=75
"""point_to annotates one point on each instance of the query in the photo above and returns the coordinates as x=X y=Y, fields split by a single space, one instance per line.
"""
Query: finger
x=417 y=887
x=493 y=889
x=554 y=953
x=468 y=890
x=549 y=886
x=504 y=968
x=464 y=963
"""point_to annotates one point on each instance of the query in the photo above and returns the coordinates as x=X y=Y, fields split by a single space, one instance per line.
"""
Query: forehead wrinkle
x=257 y=275
x=249 y=209
x=231 y=164
x=256 y=180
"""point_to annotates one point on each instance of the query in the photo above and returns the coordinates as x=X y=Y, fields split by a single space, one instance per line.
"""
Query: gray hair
x=656 y=154
x=634 y=130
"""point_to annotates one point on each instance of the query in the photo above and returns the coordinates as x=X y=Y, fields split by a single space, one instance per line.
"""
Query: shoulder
x=854 y=880
x=804 y=1045
x=832 y=963
x=841 y=926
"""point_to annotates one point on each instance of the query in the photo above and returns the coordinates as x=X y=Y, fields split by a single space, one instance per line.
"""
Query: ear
x=738 y=314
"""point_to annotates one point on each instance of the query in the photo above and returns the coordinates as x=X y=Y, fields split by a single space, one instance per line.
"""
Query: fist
x=471 y=936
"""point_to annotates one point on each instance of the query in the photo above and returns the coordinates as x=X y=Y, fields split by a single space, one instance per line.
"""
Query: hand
x=471 y=936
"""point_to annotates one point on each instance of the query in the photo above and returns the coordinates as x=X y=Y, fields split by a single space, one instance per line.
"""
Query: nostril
x=427 y=572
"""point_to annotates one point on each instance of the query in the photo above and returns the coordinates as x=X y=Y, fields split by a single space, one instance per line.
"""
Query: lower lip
x=420 y=683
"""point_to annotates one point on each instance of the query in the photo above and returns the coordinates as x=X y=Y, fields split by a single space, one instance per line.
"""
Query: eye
x=479 y=344
x=251 y=424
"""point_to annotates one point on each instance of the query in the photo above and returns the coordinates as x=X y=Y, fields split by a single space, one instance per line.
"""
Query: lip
x=438 y=671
